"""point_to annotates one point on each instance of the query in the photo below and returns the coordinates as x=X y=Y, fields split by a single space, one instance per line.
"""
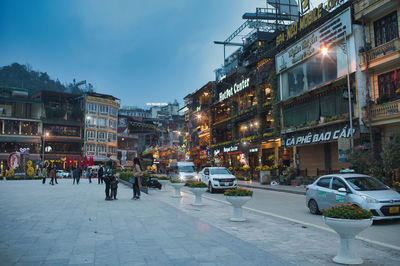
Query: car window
x=324 y=182
x=206 y=171
x=364 y=183
x=337 y=183
x=186 y=168
x=220 y=171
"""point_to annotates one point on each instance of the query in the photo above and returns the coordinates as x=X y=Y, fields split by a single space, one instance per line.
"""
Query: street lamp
x=43 y=143
x=343 y=47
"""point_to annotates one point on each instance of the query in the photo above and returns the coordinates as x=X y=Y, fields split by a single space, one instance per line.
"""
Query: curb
x=275 y=189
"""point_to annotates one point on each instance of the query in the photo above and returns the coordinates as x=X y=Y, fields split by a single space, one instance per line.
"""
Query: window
x=103 y=109
x=92 y=107
x=113 y=124
x=113 y=111
x=90 y=134
x=101 y=135
x=324 y=182
x=101 y=148
x=385 y=29
x=102 y=122
x=337 y=183
x=90 y=121
x=90 y=147
x=112 y=137
x=386 y=85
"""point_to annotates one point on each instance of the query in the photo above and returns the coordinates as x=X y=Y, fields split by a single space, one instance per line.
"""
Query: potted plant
x=265 y=174
x=197 y=188
x=347 y=221
x=177 y=184
x=238 y=197
x=164 y=180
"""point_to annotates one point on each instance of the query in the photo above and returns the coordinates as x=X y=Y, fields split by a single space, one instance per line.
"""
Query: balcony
x=382 y=54
x=371 y=9
x=385 y=113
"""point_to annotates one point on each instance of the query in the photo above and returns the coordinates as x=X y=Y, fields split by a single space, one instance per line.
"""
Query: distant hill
x=22 y=76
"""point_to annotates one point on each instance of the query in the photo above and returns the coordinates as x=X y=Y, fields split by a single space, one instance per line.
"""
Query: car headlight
x=369 y=199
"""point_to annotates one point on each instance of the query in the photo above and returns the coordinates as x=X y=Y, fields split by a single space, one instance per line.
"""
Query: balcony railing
x=382 y=50
x=385 y=111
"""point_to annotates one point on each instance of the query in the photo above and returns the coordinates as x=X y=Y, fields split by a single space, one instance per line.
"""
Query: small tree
x=391 y=155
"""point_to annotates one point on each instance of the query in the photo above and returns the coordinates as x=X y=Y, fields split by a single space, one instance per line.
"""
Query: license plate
x=393 y=209
x=223 y=184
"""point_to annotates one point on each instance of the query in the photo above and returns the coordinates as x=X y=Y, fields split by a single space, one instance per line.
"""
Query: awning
x=20 y=139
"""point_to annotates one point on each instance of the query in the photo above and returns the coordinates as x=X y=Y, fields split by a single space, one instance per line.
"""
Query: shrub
x=345 y=211
x=196 y=184
x=177 y=180
x=125 y=176
x=162 y=177
x=238 y=192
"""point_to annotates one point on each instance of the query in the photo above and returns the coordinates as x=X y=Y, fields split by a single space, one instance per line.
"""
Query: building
x=100 y=131
x=62 y=126
x=380 y=60
x=321 y=120
x=20 y=128
x=135 y=112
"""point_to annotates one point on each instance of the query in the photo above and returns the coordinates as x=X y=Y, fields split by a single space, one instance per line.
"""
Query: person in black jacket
x=108 y=176
x=100 y=174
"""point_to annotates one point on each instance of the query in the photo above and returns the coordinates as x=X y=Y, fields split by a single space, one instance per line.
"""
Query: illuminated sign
x=157 y=104
x=237 y=87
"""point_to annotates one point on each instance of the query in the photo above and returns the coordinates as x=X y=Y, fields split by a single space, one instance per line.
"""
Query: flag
x=395 y=78
x=85 y=161
x=91 y=161
x=67 y=162
x=72 y=162
x=79 y=161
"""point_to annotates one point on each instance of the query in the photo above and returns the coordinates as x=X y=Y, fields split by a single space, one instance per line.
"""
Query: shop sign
x=237 y=87
x=331 y=32
x=343 y=149
x=253 y=150
x=217 y=152
x=321 y=136
x=229 y=149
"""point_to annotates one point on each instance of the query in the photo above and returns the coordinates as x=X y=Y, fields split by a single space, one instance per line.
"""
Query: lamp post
x=43 y=143
x=343 y=47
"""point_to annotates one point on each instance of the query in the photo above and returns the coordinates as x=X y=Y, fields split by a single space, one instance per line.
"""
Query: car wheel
x=313 y=206
x=210 y=188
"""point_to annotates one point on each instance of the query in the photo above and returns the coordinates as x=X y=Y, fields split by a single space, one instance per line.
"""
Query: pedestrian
x=55 y=174
x=114 y=187
x=137 y=173
x=79 y=175
x=52 y=174
x=108 y=176
x=75 y=174
x=100 y=174
x=89 y=175
x=44 y=175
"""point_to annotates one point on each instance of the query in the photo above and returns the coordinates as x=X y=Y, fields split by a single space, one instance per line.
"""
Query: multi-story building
x=101 y=122
x=62 y=126
x=20 y=127
x=380 y=60
x=135 y=112
x=321 y=89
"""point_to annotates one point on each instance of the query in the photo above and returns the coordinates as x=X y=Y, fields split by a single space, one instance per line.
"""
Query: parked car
x=63 y=174
x=218 y=178
x=182 y=170
x=361 y=190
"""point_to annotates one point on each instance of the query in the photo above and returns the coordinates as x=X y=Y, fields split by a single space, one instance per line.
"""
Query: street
x=292 y=206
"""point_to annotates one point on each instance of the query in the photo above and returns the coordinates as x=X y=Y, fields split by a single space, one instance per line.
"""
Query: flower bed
x=238 y=192
x=196 y=184
x=177 y=180
x=161 y=177
x=345 y=211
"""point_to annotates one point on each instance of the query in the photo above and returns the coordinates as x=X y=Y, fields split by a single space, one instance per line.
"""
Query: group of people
x=107 y=176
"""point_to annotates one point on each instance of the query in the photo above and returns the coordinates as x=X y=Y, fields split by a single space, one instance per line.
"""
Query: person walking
x=79 y=175
x=55 y=174
x=52 y=174
x=108 y=176
x=100 y=174
x=89 y=175
x=114 y=187
x=137 y=173
x=75 y=174
x=44 y=175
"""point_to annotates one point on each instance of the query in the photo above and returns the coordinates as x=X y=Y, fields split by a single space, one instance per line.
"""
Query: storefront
x=316 y=151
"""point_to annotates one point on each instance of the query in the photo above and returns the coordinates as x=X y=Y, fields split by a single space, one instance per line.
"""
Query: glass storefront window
x=315 y=71
x=29 y=128
x=11 y=127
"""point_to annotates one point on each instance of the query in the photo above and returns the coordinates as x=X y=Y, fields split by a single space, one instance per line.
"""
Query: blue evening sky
x=138 y=51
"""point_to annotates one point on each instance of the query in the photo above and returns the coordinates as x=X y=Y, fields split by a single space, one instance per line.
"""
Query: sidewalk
x=282 y=188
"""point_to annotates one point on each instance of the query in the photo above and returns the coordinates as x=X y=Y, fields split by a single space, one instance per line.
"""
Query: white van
x=182 y=170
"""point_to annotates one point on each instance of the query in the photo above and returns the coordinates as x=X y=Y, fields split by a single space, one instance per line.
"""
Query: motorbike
x=153 y=183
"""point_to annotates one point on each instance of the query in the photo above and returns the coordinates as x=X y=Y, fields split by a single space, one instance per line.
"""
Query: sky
x=138 y=51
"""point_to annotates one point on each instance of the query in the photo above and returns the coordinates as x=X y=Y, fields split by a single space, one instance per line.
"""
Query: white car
x=218 y=178
x=63 y=174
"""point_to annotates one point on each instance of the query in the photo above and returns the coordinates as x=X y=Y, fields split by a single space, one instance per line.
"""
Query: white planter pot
x=347 y=230
x=237 y=203
x=198 y=191
x=177 y=187
x=163 y=184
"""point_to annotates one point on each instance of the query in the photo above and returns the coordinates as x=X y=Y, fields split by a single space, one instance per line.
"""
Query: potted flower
x=347 y=221
x=238 y=197
x=177 y=184
x=197 y=188
x=265 y=174
x=164 y=180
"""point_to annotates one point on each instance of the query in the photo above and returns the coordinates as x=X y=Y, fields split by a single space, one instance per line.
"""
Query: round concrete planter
x=237 y=203
x=163 y=184
x=198 y=191
x=177 y=187
x=347 y=230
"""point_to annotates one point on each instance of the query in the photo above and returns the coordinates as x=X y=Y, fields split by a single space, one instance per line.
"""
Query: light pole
x=43 y=143
x=343 y=46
